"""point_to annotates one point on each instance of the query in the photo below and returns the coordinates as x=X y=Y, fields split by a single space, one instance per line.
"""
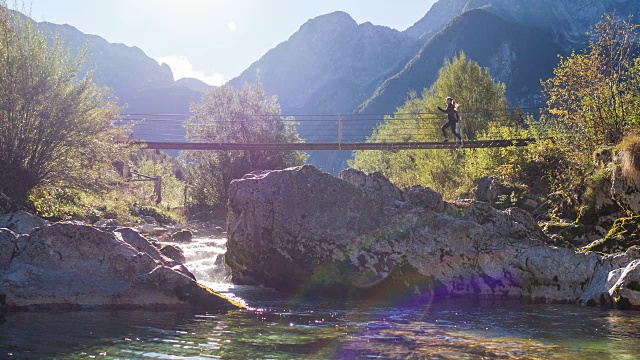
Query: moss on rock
x=624 y=233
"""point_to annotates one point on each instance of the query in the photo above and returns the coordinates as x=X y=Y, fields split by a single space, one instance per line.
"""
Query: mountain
x=194 y=84
x=566 y=20
x=330 y=65
x=139 y=84
x=516 y=55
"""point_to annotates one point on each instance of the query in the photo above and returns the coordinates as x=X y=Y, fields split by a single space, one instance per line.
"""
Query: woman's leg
x=453 y=130
x=443 y=128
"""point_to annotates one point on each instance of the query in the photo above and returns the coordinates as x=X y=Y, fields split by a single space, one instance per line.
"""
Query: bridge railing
x=327 y=132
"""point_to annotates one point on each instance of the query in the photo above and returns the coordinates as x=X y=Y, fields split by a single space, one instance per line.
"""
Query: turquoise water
x=295 y=328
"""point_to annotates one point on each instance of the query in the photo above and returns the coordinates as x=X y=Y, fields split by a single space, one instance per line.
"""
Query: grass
x=120 y=202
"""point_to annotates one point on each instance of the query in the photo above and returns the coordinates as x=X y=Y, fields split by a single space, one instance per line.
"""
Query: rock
x=141 y=244
x=8 y=247
x=303 y=203
x=75 y=266
x=151 y=229
x=624 y=233
x=149 y=220
x=375 y=182
x=303 y=230
x=107 y=223
x=424 y=197
x=606 y=276
x=218 y=231
x=183 y=270
x=626 y=291
x=530 y=204
x=626 y=191
x=6 y=204
x=182 y=236
x=173 y=252
x=488 y=189
x=21 y=222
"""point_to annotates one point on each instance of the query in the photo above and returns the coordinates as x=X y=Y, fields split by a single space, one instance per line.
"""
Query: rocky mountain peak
x=568 y=20
x=326 y=26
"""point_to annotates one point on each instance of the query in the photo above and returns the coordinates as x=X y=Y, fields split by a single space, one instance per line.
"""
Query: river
x=296 y=327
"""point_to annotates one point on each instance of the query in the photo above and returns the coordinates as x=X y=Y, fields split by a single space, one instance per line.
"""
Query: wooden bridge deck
x=334 y=145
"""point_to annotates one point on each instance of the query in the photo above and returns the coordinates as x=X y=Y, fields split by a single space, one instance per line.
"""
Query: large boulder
x=303 y=230
x=74 y=266
x=22 y=222
x=300 y=216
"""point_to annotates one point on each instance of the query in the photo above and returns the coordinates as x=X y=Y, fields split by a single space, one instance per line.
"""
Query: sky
x=212 y=40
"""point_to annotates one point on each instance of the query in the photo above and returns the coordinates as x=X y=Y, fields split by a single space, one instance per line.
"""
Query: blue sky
x=214 y=40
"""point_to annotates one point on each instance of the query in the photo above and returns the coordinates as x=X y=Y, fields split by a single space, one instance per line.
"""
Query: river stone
x=21 y=222
x=173 y=252
x=301 y=230
x=182 y=236
x=74 y=266
x=107 y=223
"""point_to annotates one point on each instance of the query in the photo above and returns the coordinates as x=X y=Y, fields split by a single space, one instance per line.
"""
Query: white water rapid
x=204 y=257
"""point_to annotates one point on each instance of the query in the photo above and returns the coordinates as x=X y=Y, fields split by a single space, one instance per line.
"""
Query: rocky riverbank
x=302 y=230
x=73 y=265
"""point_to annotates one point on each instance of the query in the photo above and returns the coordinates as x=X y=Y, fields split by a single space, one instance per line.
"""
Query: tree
x=54 y=125
x=595 y=92
x=484 y=114
x=225 y=115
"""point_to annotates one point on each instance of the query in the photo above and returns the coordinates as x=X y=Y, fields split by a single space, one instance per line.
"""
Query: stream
x=299 y=327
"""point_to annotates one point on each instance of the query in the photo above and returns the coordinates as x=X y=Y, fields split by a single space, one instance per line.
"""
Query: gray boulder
x=173 y=252
x=488 y=189
x=75 y=266
x=626 y=291
x=143 y=245
x=21 y=222
x=306 y=208
x=301 y=229
x=182 y=236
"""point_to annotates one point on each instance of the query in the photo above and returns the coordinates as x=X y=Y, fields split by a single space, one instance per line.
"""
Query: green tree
x=54 y=125
x=484 y=115
x=226 y=115
x=595 y=92
x=593 y=98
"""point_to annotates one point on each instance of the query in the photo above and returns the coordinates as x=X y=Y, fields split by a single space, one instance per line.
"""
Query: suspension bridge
x=319 y=132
